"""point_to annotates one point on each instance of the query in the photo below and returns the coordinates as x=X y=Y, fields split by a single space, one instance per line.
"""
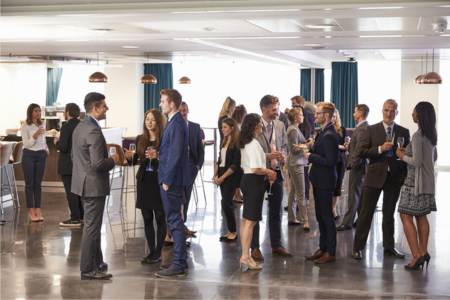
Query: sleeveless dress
x=411 y=204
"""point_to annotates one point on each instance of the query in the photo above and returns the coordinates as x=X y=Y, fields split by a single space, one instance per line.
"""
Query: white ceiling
x=311 y=33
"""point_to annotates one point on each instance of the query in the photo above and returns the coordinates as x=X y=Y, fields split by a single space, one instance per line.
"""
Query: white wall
x=413 y=93
x=20 y=85
x=124 y=96
x=442 y=112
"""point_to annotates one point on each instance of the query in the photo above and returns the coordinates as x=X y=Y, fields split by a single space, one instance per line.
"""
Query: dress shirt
x=29 y=142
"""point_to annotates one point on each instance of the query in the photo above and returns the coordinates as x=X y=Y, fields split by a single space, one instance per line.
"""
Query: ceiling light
x=149 y=79
x=380 y=7
x=102 y=29
x=320 y=26
x=328 y=36
x=432 y=77
x=184 y=80
x=246 y=38
x=98 y=77
x=130 y=47
x=327 y=9
x=381 y=36
x=234 y=11
x=444 y=35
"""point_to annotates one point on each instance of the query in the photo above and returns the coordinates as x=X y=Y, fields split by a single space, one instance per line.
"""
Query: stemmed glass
x=112 y=151
x=133 y=148
x=400 y=143
x=147 y=153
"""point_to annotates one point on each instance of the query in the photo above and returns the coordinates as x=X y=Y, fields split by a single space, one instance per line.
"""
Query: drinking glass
x=133 y=148
x=149 y=165
x=112 y=151
x=400 y=141
x=347 y=139
x=390 y=138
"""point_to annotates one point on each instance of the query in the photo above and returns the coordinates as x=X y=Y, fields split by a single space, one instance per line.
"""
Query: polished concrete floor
x=41 y=260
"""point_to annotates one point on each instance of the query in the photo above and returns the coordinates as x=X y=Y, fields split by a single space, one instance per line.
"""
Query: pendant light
x=432 y=77
x=98 y=77
x=149 y=78
x=184 y=80
x=419 y=78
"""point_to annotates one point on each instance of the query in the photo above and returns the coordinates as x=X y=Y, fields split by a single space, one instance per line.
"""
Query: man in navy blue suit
x=196 y=158
x=173 y=178
x=323 y=176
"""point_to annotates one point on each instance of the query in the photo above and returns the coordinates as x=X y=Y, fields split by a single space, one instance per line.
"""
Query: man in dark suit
x=196 y=158
x=173 y=178
x=64 y=145
x=90 y=180
x=384 y=173
x=273 y=142
x=323 y=176
x=357 y=166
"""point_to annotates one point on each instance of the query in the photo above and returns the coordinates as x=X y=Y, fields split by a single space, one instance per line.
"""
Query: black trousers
x=274 y=215
x=227 y=191
x=370 y=195
x=75 y=204
x=148 y=215
x=307 y=182
x=323 y=201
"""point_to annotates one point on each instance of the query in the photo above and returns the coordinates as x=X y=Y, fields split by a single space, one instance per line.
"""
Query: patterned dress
x=410 y=204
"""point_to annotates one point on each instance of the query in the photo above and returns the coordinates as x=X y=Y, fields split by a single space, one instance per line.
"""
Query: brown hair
x=173 y=96
x=234 y=135
x=239 y=113
x=299 y=100
x=293 y=113
x=30 y=109
x=364 y=109
x=226 y=107
x=268 y=100
x=144 y=140
x=327 y=107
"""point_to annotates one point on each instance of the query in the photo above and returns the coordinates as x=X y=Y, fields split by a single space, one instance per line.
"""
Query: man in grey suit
x=273 y=141
x=90 y=180
x=357 y=166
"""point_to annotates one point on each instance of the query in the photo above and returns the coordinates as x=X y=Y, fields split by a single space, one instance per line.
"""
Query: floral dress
x=411 y=204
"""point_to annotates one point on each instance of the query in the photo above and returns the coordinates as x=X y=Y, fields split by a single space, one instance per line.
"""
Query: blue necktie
x=389 y=153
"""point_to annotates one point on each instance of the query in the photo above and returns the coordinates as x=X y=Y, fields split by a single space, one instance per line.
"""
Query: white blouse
x=29 y=142
x=252 y=157
x=223 y=157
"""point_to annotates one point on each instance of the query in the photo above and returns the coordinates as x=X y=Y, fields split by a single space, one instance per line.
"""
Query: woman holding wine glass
x=417 y=195
x=253 y=163
x=147 y=189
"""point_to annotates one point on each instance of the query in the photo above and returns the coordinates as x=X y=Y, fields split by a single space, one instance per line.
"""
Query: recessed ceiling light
x=327 y=9
x=102 y=29
x=380 y=7
x=130 y=47
x=320 y=26
x=328 y=36
x=444 y=35
x=234 y=11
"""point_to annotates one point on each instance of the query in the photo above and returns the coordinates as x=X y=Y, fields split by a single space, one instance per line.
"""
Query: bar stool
x=17 y=160
x=6 y=152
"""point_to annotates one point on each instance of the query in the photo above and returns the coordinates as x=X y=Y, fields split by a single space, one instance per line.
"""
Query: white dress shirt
x=29 y=142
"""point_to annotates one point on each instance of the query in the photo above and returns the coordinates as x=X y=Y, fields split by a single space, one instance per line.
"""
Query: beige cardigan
x=424 y=155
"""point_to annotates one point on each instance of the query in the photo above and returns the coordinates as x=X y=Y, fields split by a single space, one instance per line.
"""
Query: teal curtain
x=305 y=83
x=344 y=89
x=53 y=81
x=164 y=75
x=319 y=86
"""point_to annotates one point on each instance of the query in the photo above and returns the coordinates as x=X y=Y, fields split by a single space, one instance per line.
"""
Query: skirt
x=415 y=205
x=253 y=188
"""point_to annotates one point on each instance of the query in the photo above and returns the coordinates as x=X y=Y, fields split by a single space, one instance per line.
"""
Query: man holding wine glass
x=384 y=173
x=273 y=141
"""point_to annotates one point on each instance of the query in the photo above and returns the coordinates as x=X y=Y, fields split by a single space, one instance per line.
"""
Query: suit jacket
x=173 y=153
x=379 y=164
x=280 y=139
x=91 y=164
x=64 y=145
x=354 y=148
x=324 y=158
x=196 y=149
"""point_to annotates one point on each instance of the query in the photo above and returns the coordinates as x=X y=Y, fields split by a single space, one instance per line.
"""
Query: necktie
x=269 y=132
x=389 y=132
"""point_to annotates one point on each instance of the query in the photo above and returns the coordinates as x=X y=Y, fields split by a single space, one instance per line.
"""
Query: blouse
x=252 y=157
x=29 y=142
x=223 y=155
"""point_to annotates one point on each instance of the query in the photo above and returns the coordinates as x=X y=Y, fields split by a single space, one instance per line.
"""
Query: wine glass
x=400 y=141
x=390 y=138
x=133 y=148
x=347 y=139
x=147 y=155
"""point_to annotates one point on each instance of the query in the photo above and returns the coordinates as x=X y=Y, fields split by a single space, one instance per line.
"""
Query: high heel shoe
x=427 y=258
x=246 y=264
x=417 y=265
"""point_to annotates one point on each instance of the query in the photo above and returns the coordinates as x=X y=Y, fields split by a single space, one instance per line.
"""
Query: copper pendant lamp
x=432 y=77
x=184 y=80
x=149 y=79
x=419 y=79
x=98 y=77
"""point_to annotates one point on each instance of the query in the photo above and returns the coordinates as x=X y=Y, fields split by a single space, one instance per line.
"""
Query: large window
x=243 y=80
x=442 y=111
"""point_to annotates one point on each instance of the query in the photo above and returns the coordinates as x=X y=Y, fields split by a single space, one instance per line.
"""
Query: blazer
x=64 y=145
x=196 y=149
x=354 y=148
x=324 y=158
x=232 y=161
x=91 y=164
x=280 y=138
x=295 y=157
x=173 y=153
x=424 y=155
x=379 y=164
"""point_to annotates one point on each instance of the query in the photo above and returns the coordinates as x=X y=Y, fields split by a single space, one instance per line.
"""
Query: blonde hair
x=292 y=114
x=226 y=107
x=338 y=123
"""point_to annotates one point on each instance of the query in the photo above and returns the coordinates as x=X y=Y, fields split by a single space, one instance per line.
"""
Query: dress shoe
x=393 y=252
x=280 y=251
x=150 y=260
x=226 y=239
x=325 y=258
x=316 y=255
x=417 y=265
x=95 y=276
x=257 y=255
x=103 y=267
x=343 y=227
x=171 y=272
x=190 y=233
x=357 y=254
x=294 y=223
x=306 y=227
